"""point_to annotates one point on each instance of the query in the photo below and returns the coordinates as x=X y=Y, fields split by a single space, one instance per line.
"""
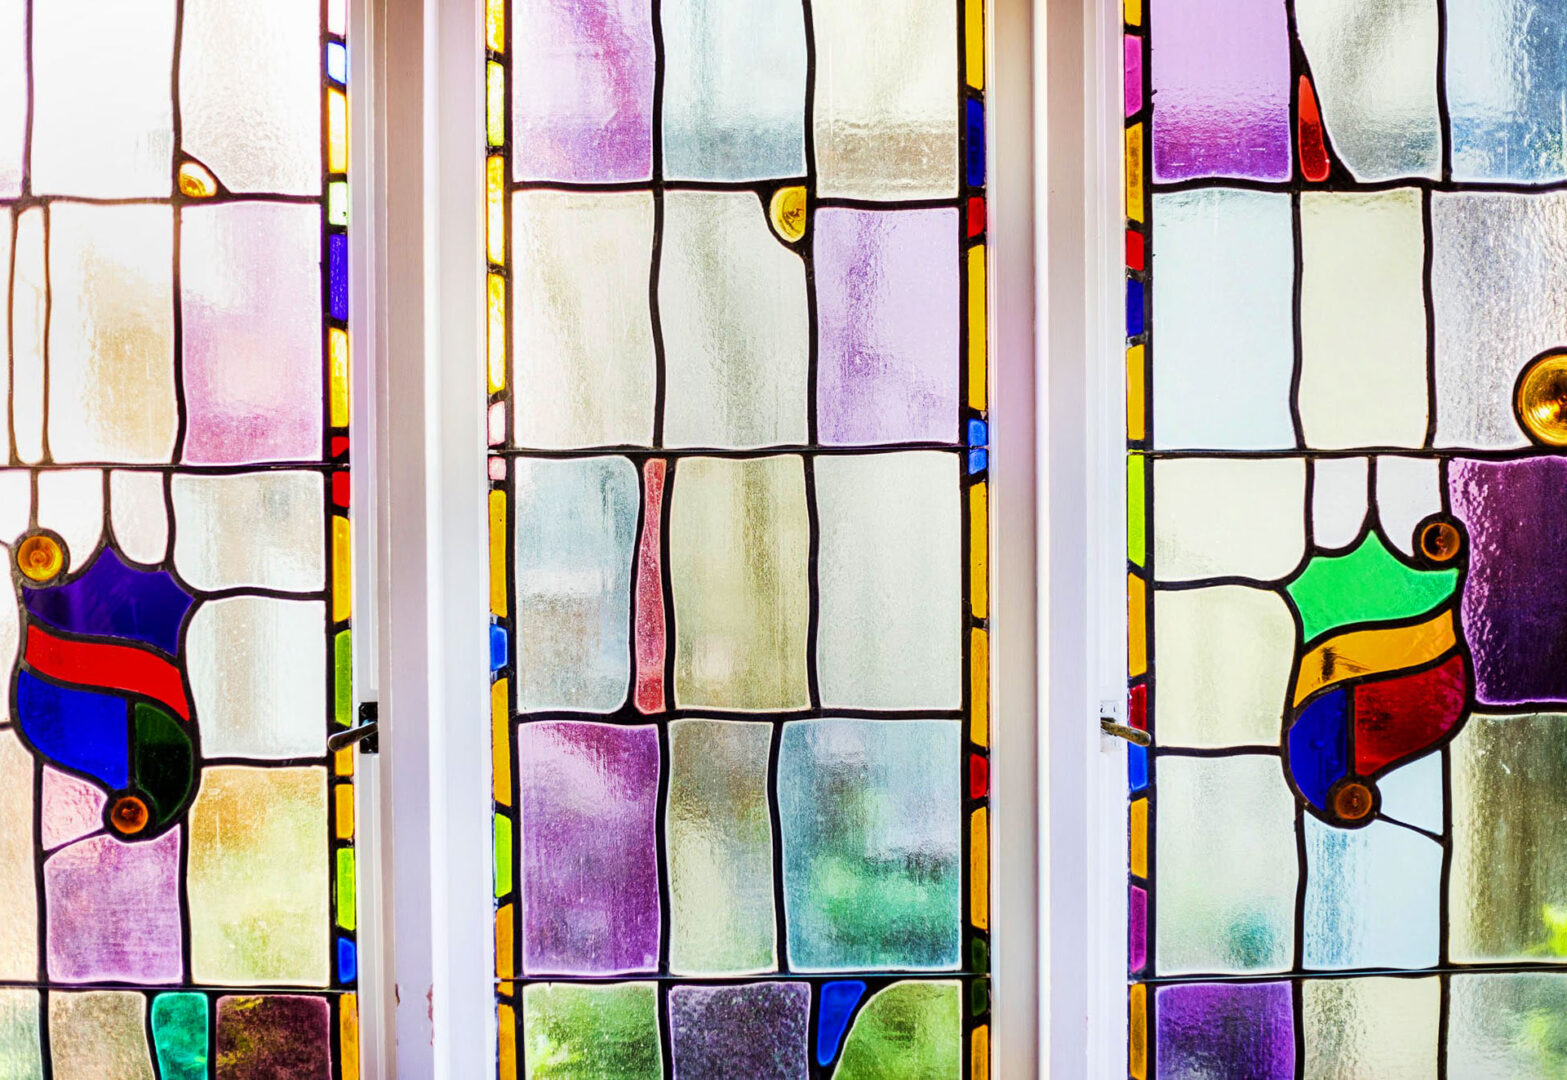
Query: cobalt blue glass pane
x=76 y=729
x=1134 y=307
x=347 y=961
x=337 y=62
x=976 y=143
x=1319 y=746
x=337 y=262
x=978 y=433
x=978 y=458
x=838 y=1002
x=1137 y=767
x=498 y=649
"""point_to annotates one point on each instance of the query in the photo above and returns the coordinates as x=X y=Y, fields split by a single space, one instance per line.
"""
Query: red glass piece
x=1314 y=164
x=649 y=696
x=1134 y=250
x=107 y=667
x=339 y=445
x=978 y=776
x=976 y=215
x=1137 y=707
x=1399 y=717
x=340 y=488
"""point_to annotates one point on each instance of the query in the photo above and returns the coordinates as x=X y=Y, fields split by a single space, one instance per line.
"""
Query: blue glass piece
x=837 y=1006
x=1506 y=82
x=498 y=647
x=978 y=458
x=347 y=961
x=112 y=599
x=1134 y=307
x=976 y=143
x=1319 y=746
x=337 y=268
x=337 y=62
x=978 y=433
x=1136 y=767
x=80 y=730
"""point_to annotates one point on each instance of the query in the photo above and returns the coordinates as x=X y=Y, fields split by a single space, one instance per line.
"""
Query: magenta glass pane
x=1239 y=1032
x=582 y=90
x=1134 y=74
x=887 y=314
x=114 y=911
x=589 y=858
x=1221 y=90
x=1137 y=929
x=250 y=287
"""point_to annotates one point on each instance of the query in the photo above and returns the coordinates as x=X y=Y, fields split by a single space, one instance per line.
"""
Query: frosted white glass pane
x=258 y=676
x=70 y=501
x=889 y=578
x=250 y=92
x=1381 y=1027
x=111 y=334
x=263 y=530
x=1227 y=871
x=1412 y=793
x=1225 y=293
x=19 y=929
x=139 y=515
x=1339 y=490
x=103 y=113
x=1217 y=517
x=16 y=503
x=1374 y=66
x=1363 y=320
x=1506 y=1025
x=1409 y=490
x=576 y=523
x=583 y=362
x=13 y=97
x=736 y=325
x=1225 y=658
x=734 y=89
x=886 y=102
x=1372 y=897
x=29 y=326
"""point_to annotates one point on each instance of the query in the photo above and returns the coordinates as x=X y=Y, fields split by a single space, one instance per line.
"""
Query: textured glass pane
x=257 y=674
x=29 y=332
x=913 y=1026
x=586 y=1032
x=753 y=1031
x=139 y=514
x=274 y=1035
x=99 y=1033
x=1387 y=1028
x=18 y=931
x=254 y=529
x=1507 y=1025
x=1372 y=898
x=1506 y=80
x=13 y=99
x=114 y=911
x=1225 y=1030
x=103 y=119
x=1218 y=517
x=21 y=1049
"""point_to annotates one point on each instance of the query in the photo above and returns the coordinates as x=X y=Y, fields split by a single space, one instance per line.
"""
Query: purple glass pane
x=1221 y=90
x=114 y=911
x=250 y=284
x=275 y=1037
x=582 y=90
x=115 y=600
x=1239 y=1032
x=1137 y=930
x=1515 y=600
x=1134 y=74
x=589 y=862
x=337 y=273
x=755 y=1032
x=887 y=294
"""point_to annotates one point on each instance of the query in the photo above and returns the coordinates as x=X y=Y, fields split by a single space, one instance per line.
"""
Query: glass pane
x=176 y=842
x=738 y=532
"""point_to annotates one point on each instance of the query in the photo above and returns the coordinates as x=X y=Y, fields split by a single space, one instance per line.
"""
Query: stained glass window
x=738 y=492
x=1347 y=370
x=176 y=846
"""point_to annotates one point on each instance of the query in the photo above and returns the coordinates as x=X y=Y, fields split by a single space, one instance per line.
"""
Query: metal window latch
x=366 y=733
x=1136 y=736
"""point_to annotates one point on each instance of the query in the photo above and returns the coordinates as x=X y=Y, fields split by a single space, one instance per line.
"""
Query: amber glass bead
x=39 y=557
x=1440 y=541
x=1353 y=801
x=1541 y=400
x=128 y=815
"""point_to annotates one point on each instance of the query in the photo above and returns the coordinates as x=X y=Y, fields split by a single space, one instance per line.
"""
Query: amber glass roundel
x=129 y=815
x=40 y=557
x=1541 y=400
x=1353 y=801
x=1440 y=541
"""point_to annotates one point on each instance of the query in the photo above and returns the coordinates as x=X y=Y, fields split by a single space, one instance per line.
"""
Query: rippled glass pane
x=1506 y=80
x=1512 y=1025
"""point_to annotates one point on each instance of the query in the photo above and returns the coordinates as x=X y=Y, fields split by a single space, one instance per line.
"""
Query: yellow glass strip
x=1373 y=652
x=1134 y=12
x=337 y=131
x=498 y=553
x=1139 y=844
x=976 y=327
x=974 y=43
x=343 y=762
x=495 y=104
x=1137 y=1033
x=980 y=1069
x=506 y=1017
x=344 y=795
x=342 y=569
x=495 y=207
x=506 y=988
x=979 y=869
x=497 y=350
x=1134 y=172
x=337 y=352
x=1136 y=424
x=500 y=742
x=495 y=25
x=348 y=1034
x=979 y=550
x=505 y=924
x=979 y=673
x=1136 y=626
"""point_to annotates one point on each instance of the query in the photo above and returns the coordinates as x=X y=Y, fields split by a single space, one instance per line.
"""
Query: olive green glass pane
x=582 y=1032
x=910 y=1029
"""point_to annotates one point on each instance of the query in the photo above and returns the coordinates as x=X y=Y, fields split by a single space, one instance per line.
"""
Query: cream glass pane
x=736 y=324
x=13 y=102
x=98 y=1035
x=16 y=503
x=1409 y=490
x=1372 y=897
x=262 y=530
x=1339 y=490
x=720 y=849
x=258 y=676
x=250 y=93
x=886 y=103
x=139 y=515
x=70 y=501
x=103 y=116
x=257 y=879
x=739 y=542
x=111 y=334
x=21 y=1048
x=1507 y=1025
x=1363 y=320
x=18 y=884
x=1227 y=872
x=583 y=361
x=889 y=520
x=1225 y=659
x=29 y=326
x=1371 y=1027
x=1218 y=517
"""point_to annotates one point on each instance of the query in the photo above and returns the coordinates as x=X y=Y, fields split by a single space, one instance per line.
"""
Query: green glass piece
x=337 y=202
x=909 y=1029
x=179 y=1033
x=979 y=997
x=345 y=889
x=1136 y=510
x=579 y=1032
x=1367 y=584
x=165 y=760
x=502 y=855
x=343 y=679
x=980 y=951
